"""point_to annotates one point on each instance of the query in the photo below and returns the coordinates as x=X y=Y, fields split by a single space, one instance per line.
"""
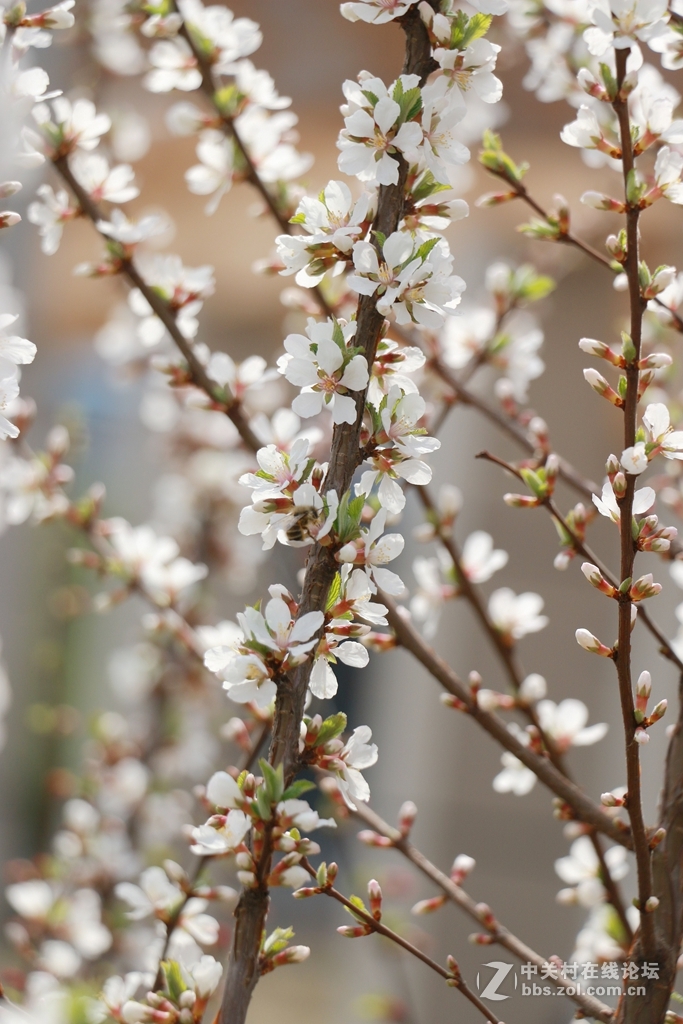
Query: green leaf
x=262 y=804
x=273 y=780
x=335 y=590
x=380 y=237
x=424 y=250
x=534 y=482
x=427 y=186
x=410 y=104
x=298 y=789
x=298 y=218
x=174 y=979
x=331 y=728
x=338 y=337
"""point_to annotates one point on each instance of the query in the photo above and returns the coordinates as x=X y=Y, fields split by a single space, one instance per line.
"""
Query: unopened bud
x=520 y=501
x=291 y=955
x=644 y=587
x=611 y=800
x=590 y=643
x=428 y=906
x=375 y=898
x=595 y=577
x=658 y=711
x=619 y=485
x=602 y=386
x=651 y=904
x=612 y=467
x=657 y=838
x=533 y=688
x=463 y=865
x=406 y=816
x=641 y=737
x=600 y=201
x=655 y=361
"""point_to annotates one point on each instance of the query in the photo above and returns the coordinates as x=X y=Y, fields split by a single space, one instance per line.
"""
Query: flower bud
x=603 y=387
x=612 y=467
x=657 y=838
x=658 y=711
x=644 y=587
x=655 y=361
x=619 y=485
x=428 y=906
x=596 y=579
x=375 y=898
x=651 y=904
x=463 y=865
x=406 y=816
x=533 y=688
x=520 y=501
x=590 y=643
x=641 y=737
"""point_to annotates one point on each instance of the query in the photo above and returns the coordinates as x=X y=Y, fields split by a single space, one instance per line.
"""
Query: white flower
x=323 y=682
x=333 y=221
x=70 y=125
x=634 y=460
x=205 y=976
x=300 y=814
x=565 y=723
x=667 y=441
x=377 y=129
x=585 y=133
x=14 y=349
x=515 y=777
x=643 y=500
x=174 y=66
x=515 y=615
x=668 y=169
x=619 y=22
x=581 y=869
x=50 y=216
x=327 y=374
x=479 y=559
x=129 y=232
x=232 y=37
x=153 y=560
x=412 y=280
x=223 y=791
x=114 y=185
x=442 y=111
x=33 y=899
x=155 y=895
x=472 y=68
x=432 y=590
x=213 y=175
x=357 y=754
x=117 y=991
x=223 y=836
x=9 y=390
x=376 y=12
x=373 y=551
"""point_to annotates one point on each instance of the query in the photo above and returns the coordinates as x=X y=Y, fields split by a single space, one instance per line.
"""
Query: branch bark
x=345 y=456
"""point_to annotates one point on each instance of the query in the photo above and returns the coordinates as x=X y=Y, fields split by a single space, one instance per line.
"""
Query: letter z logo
x=491 y=991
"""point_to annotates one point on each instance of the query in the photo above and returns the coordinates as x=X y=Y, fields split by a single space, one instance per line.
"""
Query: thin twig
x=453 y=978
x=219 y=397
x=583 y=807
x=497 y=932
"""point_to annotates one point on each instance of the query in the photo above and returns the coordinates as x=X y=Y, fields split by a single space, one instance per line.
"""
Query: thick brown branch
x=345 y=457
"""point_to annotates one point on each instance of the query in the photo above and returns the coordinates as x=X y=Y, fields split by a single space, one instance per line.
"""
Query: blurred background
x=59 y=660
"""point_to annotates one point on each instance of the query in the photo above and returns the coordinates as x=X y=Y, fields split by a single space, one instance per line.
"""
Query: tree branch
x=497 y=932
x=584 y=808
x=197 y=372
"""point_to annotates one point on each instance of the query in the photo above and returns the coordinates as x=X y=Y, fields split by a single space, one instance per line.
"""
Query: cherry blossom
x=619 y=22
x=323 y=682
x=515 y=777
x=71 y=125
x=50 y=215
x=174 y=66
x=565 y=723
x=14 y=349
x=375 y=130
x=114 y=185
x=515 y=615
x=661 y=439
x=357 y=755
x=607 y=504
x=326 y=368
x=333 y=222
x=373 y=551
x=479 y=559
x=582 y=871
x=412 y=281
x=377 y=12
x=442 y=111
x=472 y=68
x=220 y=835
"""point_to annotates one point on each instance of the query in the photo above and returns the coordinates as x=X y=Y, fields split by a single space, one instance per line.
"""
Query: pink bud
x=375 y=898
x=406 y=816
x=428 y=906
x=603 y=388
x=370 y=838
